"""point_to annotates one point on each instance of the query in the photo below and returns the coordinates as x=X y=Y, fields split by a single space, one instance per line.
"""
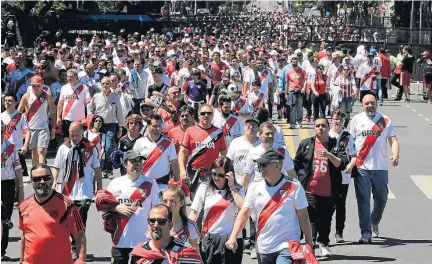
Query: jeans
x=320 y=211
x=296 y=110
x=110 y=136
x=280 y=257
x=365 y=182
x=319 y=105
x=346 y=106
x=307 y=103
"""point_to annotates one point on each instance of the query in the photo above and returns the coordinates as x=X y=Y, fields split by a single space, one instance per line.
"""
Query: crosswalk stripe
x=424 y=183
x=289 y=140
x=390 y=194
x=304 y=133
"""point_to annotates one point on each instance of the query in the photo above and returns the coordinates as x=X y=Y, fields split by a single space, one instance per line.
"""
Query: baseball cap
x=36 y=80
x=145 y=104
x=132 y=154
x=157 y=63
x=373 y=51
x=252 y=119
x=270 y=156
x=225 y=76
x=425 y=54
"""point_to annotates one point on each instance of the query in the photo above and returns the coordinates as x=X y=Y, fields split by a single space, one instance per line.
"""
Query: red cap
x=44 y=43
x=36 y=80
x=425 y=54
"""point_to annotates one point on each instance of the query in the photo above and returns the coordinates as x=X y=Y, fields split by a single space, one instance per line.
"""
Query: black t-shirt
x=125 y=143
x=154 y=88
x=408 y=63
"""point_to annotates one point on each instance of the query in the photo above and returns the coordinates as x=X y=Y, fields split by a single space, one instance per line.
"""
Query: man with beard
x=11 y=183
x=159 y=153
x=186 y=120
x=200 y=146
x=77 y=160
x=371 y=131
x=136 y=195
x=225 y=120
x=45 y=213
x=49 y=72
x=169 y=109
x=163 y=247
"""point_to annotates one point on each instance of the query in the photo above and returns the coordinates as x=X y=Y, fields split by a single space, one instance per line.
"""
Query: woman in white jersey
x=219 y=200
x=94 y=134
x=183 y=229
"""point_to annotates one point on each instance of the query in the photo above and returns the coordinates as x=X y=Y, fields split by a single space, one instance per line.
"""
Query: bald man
x=371 y=131
x=75 y=161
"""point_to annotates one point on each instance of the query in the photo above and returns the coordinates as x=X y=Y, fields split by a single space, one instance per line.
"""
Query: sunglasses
x=221 y=175
x=38 y=179
x=160 y=221
x=205 y=113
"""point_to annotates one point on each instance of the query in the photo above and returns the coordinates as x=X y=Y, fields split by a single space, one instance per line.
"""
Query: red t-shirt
x=167 y=117
x=194 y=136
x=177 y=135
x=295 y=79
x=217 y=71
x=320 y=183
x=47 y=227
x=320 y=84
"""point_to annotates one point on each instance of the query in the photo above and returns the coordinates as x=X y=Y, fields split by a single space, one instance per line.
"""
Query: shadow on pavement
x=391 y=242
x=358 y=258
x=92 y=258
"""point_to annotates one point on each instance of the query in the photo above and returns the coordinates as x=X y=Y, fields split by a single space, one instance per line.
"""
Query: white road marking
x=414 y=110
x=408 y=106
x=390 y=194
x=424 y=183
x=420 y=114
x=427 y=119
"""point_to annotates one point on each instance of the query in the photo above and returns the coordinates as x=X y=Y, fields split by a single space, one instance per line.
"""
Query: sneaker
x=308 y=118
x=339 y=238
x=110 y=175
x=375 y=231
x=253 y=254
x=325 y=251
x=430 y=101
x=298 y=125
x=5 y=258
x=292 y=126
x=381 y=103
x=105 y=174
x=365 y=239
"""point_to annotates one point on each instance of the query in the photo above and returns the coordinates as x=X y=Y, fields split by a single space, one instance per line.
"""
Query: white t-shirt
x=361 y=128
x=83 y=188
x=18 y=130
x=40 y=118
x=161 y=167
x=9 y=153
x=245 y=109
x=225 y=222
x=364 y=70
x=250 y=78
x=251 y=167
x=77 y=111
x=281 y=224
x=146 y=192
x=252 y=97
x=350 y=151
x=238 y=151
x=55 y=90
x=235 y=130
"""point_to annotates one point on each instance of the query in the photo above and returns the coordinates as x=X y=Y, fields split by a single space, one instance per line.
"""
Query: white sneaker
x=253 y=254
x=375 y=231
x=325 y=251
x=298 y=125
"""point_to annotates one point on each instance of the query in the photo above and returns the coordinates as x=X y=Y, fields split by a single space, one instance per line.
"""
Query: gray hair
x=73 y=71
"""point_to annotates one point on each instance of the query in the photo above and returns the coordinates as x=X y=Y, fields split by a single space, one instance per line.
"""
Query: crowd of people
x=194 y=117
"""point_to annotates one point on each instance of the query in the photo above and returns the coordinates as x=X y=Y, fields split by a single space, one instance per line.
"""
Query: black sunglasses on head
x=160 y=221
x=45 y=178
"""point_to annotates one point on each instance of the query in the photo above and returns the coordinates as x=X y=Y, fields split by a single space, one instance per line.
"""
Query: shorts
x=39 y=138
x=427 y=78
x=405 y=78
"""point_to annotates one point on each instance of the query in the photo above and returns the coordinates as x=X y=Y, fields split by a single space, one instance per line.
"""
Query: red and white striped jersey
x=275 y=209
x=345 y=84
x=371 y=140
x=145 y=193
x=219 y=210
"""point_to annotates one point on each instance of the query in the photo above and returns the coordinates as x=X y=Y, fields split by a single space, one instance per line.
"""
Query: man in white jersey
x=240 y=147
x=239 y=105
x=11 y=184
x=371 y=131
x=76 y=160
x=251 y=172
x=38 y=103
x=280 y=206
x=136 y=195
x=74 y=97
x=17 y=130
x=159 y=152
x=225 y=120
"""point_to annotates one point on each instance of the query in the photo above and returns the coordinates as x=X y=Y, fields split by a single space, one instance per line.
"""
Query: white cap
x=249 y=47
x=273 y=52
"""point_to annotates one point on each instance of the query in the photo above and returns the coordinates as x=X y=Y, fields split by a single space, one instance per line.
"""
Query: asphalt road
x=405 y=228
